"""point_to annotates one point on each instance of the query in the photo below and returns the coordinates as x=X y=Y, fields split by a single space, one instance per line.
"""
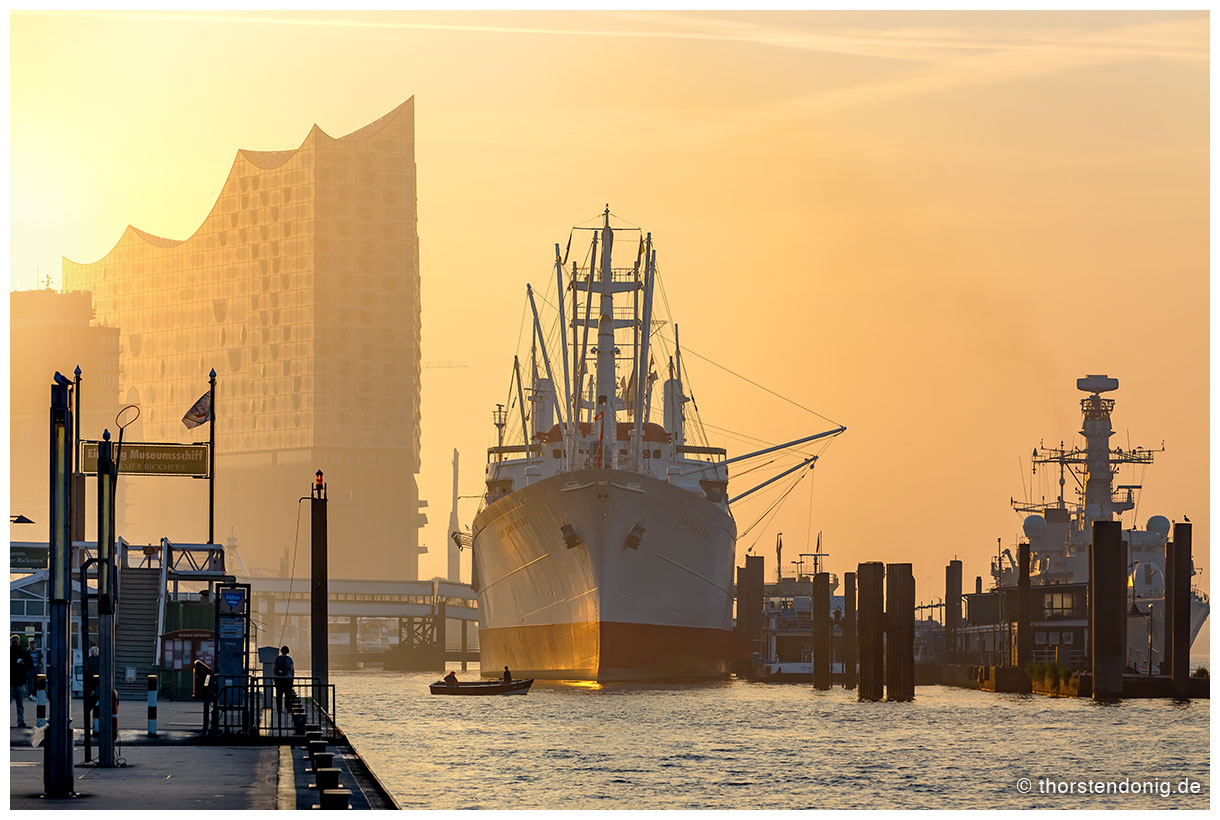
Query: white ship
x=1060 y=533
x=604 y=549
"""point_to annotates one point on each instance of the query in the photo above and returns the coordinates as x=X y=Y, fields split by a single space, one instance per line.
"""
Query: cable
x=756 y=384
x=296 y=546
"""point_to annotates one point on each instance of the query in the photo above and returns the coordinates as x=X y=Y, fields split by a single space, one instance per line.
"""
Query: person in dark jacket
x=282 y=672
x=19 y=665
x=36 y=670
x=508 y=676
x=93 y=672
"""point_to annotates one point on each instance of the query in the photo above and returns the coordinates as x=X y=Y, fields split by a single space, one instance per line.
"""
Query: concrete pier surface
x=176 y=770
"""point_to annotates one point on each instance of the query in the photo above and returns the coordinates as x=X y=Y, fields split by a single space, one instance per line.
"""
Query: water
x=741 y=745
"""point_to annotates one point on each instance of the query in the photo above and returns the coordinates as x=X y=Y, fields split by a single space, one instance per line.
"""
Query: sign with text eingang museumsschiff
x=143 y=458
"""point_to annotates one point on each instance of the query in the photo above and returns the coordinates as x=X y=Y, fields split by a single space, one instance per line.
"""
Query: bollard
x=40 y=689
x=311 y=736
x=900 y=632
x=322 y=760
x=316 y=746
x=152 y=705
x=333 y=799
x=849 y=630
x=821 y=630
x=325 y=779
x=870 y=578
x=1108 y=591
x=1180 y=617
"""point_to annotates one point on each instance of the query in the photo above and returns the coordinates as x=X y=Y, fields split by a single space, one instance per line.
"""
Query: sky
x=923 y=226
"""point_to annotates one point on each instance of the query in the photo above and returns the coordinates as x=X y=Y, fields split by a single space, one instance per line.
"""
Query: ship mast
x=607 y=385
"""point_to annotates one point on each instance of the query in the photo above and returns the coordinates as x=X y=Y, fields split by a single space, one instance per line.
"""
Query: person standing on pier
x=19 y=663
x=35 y=669
x=282 y=672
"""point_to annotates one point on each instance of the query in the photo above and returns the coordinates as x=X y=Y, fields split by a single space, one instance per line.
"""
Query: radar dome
x=1034 y=526
x=1146 y=580
x=1159 y=524
x=1092 y=512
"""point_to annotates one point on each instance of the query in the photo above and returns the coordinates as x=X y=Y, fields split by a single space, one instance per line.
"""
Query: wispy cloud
x=1180 y=38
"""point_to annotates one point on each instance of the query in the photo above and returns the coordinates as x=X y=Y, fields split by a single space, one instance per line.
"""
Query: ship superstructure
x=1060 y=532
x=604 y=546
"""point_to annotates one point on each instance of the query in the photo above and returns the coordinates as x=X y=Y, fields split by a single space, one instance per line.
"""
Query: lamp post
x=57 y=760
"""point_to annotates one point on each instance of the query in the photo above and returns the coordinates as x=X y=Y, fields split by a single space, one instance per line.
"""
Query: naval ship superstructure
x=1060 y=533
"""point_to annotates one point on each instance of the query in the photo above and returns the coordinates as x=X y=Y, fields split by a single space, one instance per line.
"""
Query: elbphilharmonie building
x=301 y=288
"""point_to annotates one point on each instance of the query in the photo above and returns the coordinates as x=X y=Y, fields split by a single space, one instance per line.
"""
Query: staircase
x=135 y=630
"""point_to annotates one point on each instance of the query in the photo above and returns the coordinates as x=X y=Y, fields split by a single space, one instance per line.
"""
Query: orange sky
x=922 y=225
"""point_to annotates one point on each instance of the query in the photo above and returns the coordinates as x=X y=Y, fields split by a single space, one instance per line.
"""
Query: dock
x=180 y=769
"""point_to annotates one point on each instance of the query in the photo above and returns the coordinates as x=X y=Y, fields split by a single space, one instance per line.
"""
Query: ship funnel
x=1096 y=384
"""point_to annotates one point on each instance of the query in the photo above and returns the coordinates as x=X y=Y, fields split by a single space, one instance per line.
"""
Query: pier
x=181 y=768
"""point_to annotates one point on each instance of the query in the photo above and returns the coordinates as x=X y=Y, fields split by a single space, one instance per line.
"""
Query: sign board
x=28 y=557
x=143 y=458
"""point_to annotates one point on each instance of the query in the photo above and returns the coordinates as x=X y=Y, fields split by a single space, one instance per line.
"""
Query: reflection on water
x=741 y=745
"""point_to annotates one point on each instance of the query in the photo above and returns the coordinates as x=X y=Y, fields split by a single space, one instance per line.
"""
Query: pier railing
x=251 y=710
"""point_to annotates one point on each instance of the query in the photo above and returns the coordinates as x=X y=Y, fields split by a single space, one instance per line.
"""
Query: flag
x=200 y=412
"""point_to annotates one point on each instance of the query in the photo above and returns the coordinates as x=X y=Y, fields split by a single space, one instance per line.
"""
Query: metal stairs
x=135 y=630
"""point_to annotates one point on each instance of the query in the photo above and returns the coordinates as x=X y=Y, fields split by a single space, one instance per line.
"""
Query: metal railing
x=250 y=709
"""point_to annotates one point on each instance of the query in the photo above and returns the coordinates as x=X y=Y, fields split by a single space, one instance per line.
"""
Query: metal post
x=953 y=608
x=750 y=605
x=40 y=688
x=1025 y=643
x=1182 y=566
x=318 y=590
x=87 y=683
x=821 y=630
x=465 y=623
x=78 y=478
x=212 y=458
x=105 y=599
x=900 y=632
x=57 y=760
x=871 y=578
x=152 y=705
x=1108 y=592
x=849 y=630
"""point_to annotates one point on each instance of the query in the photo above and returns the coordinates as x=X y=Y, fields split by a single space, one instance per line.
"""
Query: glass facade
x=301 y=289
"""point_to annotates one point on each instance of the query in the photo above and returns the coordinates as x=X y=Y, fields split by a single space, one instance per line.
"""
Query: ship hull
x=601 y=605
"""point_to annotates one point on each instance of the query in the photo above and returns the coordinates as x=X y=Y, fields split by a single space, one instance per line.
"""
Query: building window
x=1040 y=638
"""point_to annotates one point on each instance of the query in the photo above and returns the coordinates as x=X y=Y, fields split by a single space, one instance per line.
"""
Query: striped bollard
x=40 y=688
x=152 y=705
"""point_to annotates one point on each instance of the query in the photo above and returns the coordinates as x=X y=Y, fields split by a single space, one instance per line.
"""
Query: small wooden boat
x=489 y=687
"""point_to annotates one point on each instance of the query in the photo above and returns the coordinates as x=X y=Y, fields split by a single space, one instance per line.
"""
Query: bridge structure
x=400 y=625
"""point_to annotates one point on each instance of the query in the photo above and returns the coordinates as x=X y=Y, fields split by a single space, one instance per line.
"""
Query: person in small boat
x=451 y=679
x=508 y=676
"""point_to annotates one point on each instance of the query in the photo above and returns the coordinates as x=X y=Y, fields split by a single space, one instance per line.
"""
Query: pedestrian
x=93 y=671
x=20 y=664
x=281 y=672
x=32 y=680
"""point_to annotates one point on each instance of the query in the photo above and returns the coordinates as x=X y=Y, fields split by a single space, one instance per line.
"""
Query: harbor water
x=742 y=745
